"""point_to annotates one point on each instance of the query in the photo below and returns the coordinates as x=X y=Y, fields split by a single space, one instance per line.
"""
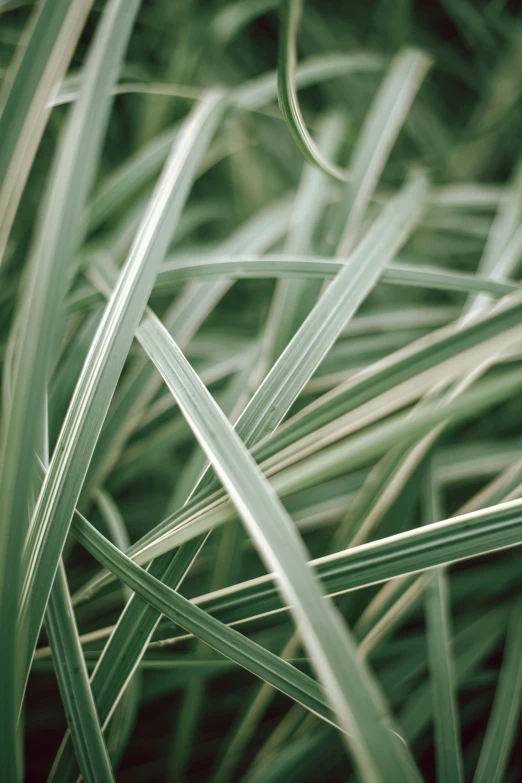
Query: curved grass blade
x=291 y=303
x=129 y=178
x=332 y=567
x=324 y=323
x=293 y=300
x=505 y=713
x=113 y=521
x=37 y=320
x=245 y=726
x=440 y=656
x=229 y=554
x=71 y=673
x=179 y=269
x=290 y=11
x=503 y=245
x=441 y=543
x=229 y=643
x=103 y=365
x=182 y=319
x=153 y=330
x=337 y=459
x=453 y=350
x=373 y=625
x=252 y=95
x=473 y=644
x=50 y=42
x=124 y=716
x=358 y=702
x=174 y=606
x=381 y=127
x=73 y=680
x=255 y=94
x=139 y=619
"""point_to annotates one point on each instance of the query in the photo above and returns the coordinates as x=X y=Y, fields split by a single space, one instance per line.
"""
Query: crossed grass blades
x=260 y=470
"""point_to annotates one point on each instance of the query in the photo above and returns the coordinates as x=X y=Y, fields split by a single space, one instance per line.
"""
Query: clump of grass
x=260 y=471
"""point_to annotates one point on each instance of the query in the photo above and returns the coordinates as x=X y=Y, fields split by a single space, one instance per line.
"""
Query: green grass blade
x=496 y=492
x=290 y=11
x=73 y=680
x=505 y=713
x=129 y=178
x=453 y=350
x=332 y=648
x=248 y=720
x=226 y=566
x=441 y=543
x=381 y=127
x=226 y=641
x=35 y=328
x=180 y=269
x=328 y=463
x=473 y=645
x=357 y=327
x=253 y=507
x=113 y=520
x=293 y=300
x=503 y=247
x=440 y=656
x=124 y=716
x=42 y=62
x=253 y=94
x=138 y=620
x=103 y=365
x=71 y=673
x=319 y=331
x=239 y=649
x=182 y=319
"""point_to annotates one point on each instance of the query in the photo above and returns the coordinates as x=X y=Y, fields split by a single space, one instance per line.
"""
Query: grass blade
x=228 y=642
x=376 y=139
x=350 y=454
x=43 y=61
x=290 y=11
x=440 y=656
x=357 y=327
x=103 y=365
x=505 y=713
x=71 y=673
x=179 y=270
x=73 y=680
x=332 y=567
x=35 y=329
x=292 y=301
x=139 y=619
x=182 y=319
x=268 y=525
x=319 y=331
x=442 y=543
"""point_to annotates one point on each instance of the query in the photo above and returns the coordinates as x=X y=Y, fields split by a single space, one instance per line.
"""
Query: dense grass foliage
x=260 y=424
